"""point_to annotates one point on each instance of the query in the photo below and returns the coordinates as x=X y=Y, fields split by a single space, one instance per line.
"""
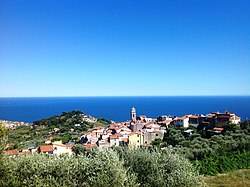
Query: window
x=156 y=134
x=138 y=135
x=138 y=141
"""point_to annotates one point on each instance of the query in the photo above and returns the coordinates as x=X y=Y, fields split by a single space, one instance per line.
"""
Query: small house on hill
x=12 y=153
x=48 y=149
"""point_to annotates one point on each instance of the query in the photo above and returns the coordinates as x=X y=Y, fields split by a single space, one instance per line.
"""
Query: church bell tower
x=133 y=114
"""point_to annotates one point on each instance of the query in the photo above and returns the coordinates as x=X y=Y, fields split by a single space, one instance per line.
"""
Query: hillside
x=68 y=126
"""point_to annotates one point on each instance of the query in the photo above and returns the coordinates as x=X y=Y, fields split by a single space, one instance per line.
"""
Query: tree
x=245 y=124
x=78 y=149
x=157 y=142
x=3 y=139
x=174 y=136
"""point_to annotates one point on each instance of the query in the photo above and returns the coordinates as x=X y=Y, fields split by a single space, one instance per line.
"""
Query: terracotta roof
x=12 y=152
x=115 y=136
x=149 y=123
x=98 y=128
x=123 y=128
x=218 y=129
x=184 y=117
x=125 y=139
x=237 y=117
x=112 y=127
x=135 y=132
x=176 y=118
x=8 y=145
x=165 y=121
x=195 y=117
x=46 y=148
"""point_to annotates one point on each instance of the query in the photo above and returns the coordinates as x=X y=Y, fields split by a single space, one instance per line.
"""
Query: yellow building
x=135 y=139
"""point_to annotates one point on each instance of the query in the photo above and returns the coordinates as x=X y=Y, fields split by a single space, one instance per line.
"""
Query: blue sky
x=124 y=48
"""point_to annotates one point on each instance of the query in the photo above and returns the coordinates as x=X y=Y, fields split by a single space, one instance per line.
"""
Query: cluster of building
x=137 y=132
x=56 y=148
x=209 y=121
x=13 y=124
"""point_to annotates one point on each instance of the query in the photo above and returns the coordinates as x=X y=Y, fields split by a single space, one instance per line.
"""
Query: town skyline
x=124 y=48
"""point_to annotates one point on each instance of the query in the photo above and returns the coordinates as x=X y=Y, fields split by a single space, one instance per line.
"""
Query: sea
x=118 y=108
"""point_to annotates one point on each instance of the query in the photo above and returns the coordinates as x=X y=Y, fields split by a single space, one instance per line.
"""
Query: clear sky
x=124 y=47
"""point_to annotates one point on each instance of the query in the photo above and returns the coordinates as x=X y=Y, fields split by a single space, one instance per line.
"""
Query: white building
x=62 y=149
x=182 y=122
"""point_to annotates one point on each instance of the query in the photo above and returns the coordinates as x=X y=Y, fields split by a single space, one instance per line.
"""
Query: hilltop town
x=138 y=131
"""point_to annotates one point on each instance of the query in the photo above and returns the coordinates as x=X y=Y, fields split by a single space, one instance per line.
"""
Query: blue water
x=118 y=108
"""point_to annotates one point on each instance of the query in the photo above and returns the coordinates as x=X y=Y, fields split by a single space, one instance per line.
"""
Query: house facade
x=135 y=140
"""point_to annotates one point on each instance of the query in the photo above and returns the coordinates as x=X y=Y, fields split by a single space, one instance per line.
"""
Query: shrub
x=160 y=168
x=105 y=169
x=116 y=168
x=216 y=163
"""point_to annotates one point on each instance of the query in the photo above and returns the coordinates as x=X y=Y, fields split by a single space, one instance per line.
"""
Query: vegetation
x=3 y=137
x=215 y=163
x=173 y=161
x=66 y=121
x=70 y=126
x=121 y=167
x=112 y=167
x=213 y=153
x=160 y=168
x=239 y=178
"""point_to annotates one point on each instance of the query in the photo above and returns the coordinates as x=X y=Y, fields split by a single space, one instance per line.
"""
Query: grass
x=239 y=178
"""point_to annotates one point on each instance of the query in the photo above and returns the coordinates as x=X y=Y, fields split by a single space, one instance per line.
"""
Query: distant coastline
x=28 y=109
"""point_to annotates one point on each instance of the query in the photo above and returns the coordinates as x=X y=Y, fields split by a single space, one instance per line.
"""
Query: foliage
x=157 y=142
x=245 y=125
x=3 y=138
x=215 y=163
x=104 y=121
x=213 y=153
x=119 y=167
x=105 y=169
x=78 y=149
x=174 y=136
x=237 y=178
x=160 y=168
x=65 y=121
x=234 y=139
x=29 y=136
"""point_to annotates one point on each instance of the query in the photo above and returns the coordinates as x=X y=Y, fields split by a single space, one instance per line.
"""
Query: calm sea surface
x=118 y=108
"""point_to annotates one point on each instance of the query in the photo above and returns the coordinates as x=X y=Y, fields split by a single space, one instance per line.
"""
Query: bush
x=116 y=168
x=160 y=168
x=216 y=163
x=105 y=169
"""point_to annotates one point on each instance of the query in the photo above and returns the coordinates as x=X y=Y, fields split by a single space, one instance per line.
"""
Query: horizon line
x=126 y=96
